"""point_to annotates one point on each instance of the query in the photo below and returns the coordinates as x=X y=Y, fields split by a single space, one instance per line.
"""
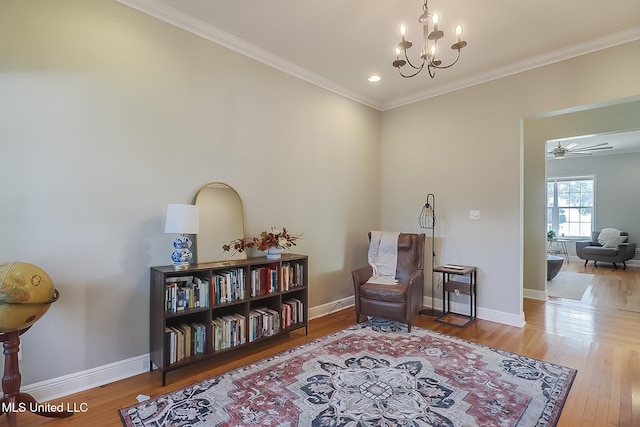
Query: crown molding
x=574 y=51
x=215 y=35
x=210 y=33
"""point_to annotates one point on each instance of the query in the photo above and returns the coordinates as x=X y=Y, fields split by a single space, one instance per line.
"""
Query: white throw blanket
x=383 y=257
x=610 y=237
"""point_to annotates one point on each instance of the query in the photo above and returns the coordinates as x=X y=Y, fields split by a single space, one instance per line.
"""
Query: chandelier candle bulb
x=428 y=59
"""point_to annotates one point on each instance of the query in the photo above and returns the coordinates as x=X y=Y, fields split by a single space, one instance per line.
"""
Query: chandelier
x=429 y=53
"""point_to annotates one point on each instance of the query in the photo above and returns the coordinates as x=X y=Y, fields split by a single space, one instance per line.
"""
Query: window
x=570 y=206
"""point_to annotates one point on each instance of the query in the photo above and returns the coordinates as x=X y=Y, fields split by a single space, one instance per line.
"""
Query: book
x=242 y=328
x=216 y=330
x=254 y=325
x=187 y=338
x=453 y=267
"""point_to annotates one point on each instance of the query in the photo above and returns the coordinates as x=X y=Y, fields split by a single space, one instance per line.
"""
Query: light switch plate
x=474 y=215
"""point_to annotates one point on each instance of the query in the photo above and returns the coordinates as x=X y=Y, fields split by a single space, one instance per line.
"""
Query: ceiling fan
x=560 y=152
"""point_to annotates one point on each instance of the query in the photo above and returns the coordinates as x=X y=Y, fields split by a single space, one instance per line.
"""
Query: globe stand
x=14 y=401
x=26 y=294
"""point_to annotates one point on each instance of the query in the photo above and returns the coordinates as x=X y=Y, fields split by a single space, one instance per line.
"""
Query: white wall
x=107 y=115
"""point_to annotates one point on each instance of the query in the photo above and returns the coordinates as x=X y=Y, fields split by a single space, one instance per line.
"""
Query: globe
x=26 y=293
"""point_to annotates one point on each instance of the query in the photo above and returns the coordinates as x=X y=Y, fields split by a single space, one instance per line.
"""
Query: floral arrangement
x=275 y=238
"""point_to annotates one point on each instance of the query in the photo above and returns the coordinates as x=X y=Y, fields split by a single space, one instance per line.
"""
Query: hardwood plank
x=613 y=410
x=599 y=336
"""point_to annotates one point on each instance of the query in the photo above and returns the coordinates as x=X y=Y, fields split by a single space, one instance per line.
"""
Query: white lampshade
x=182 y=219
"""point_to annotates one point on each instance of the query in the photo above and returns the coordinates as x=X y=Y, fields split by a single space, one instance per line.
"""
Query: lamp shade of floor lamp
x=182 y=219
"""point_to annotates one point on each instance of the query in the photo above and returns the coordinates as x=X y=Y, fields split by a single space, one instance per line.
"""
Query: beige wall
x=472 y=149
x=107 y=115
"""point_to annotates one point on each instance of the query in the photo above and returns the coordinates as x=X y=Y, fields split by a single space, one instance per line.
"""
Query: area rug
x=373 y=374
x=569 y=285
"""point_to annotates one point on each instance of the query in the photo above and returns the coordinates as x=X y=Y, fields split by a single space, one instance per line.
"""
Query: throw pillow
x=613 y=243
x=608 y=235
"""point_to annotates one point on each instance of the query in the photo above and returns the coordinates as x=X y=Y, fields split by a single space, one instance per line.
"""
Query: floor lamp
x=427 y=221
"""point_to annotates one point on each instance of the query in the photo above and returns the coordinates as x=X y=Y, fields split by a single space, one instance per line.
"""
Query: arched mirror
x=221 y=220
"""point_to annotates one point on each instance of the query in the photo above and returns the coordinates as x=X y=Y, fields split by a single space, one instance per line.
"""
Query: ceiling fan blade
x=570 y=146
x=588 y=147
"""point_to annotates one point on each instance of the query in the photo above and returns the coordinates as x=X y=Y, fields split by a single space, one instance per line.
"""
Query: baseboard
x=66 y=385
x=80 y=381
x=331 y=307
x=483 y=313
x=510 y=319
x=534 y=294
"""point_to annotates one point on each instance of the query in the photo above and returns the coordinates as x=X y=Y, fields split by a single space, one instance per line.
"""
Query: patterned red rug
x=374 y=374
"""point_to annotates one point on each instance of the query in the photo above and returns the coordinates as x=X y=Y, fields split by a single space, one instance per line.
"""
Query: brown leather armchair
x=401 y=301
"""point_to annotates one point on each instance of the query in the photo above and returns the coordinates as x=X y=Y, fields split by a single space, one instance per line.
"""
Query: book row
x=263 y=322
x=181 y=293
x=228 y=285
x=292 y=312
x=186 y=292
x=228 y=331
x=292 y=275
x=185 y=340
x=273 y=278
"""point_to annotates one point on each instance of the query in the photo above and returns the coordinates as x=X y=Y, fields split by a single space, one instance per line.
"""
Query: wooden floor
x=599 y=336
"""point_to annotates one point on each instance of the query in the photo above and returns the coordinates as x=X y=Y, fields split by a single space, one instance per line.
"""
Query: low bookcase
x=211 y=309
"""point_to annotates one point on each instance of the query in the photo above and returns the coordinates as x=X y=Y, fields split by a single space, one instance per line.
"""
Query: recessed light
x=374 y=78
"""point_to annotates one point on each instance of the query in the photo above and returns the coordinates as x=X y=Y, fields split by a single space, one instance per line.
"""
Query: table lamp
x=181 y=219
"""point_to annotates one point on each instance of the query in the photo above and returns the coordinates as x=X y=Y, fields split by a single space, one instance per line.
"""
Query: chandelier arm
x=406 y=76
x=442 y=67
x=406 y=56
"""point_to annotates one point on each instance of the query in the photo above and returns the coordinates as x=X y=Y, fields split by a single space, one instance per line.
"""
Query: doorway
x=615 y=116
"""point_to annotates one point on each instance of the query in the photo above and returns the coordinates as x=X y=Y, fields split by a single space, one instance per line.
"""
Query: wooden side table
x=450 y=284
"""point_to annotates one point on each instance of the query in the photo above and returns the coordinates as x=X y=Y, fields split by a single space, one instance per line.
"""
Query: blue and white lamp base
x=181 y=255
